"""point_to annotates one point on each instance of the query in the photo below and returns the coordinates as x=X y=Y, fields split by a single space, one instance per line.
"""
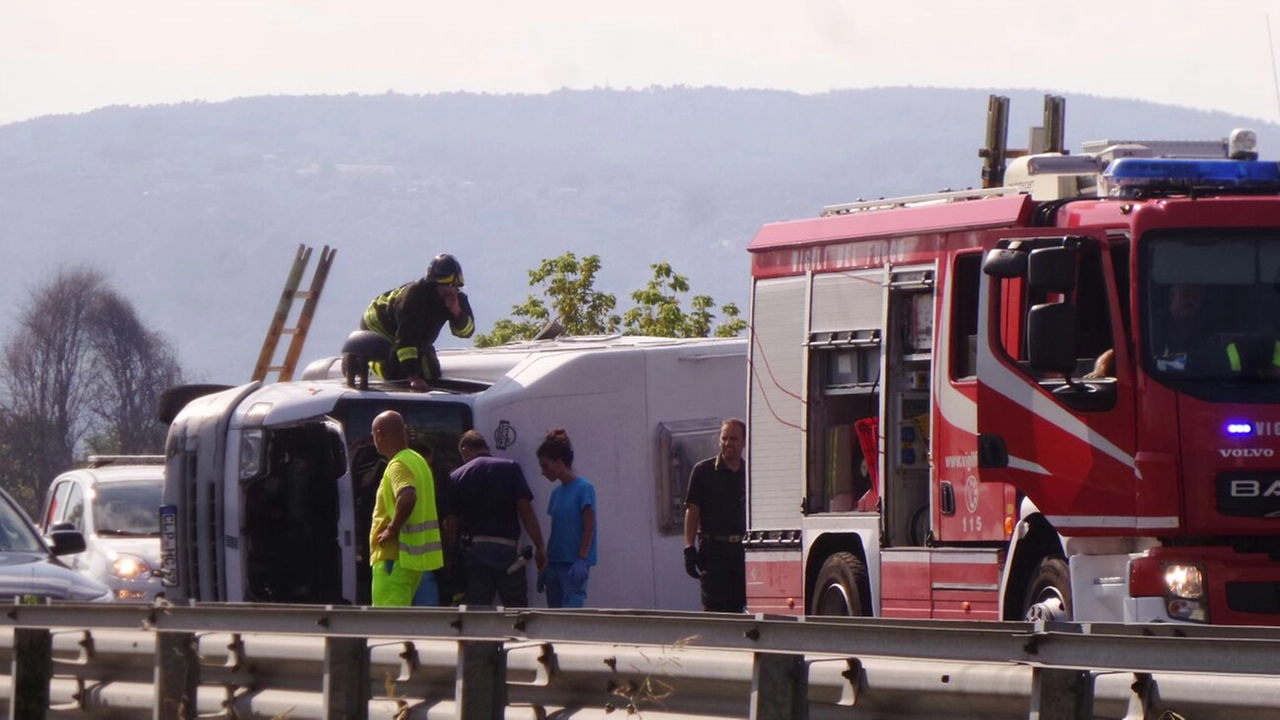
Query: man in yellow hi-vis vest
x=405 y=540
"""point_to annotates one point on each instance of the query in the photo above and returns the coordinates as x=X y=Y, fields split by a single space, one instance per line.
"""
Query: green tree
x=658 y=311
x=568 y=291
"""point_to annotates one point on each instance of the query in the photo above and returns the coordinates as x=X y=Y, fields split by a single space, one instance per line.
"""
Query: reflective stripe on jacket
x=411 y=317
x=1233 y=356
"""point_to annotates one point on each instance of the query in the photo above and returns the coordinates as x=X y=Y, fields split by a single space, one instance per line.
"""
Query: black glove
x=691 y=563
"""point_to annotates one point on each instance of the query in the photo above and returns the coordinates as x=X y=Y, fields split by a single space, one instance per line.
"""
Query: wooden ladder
x=299 y=331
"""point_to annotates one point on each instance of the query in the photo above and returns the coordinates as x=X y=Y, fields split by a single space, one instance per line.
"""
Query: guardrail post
x=1061 y=694
x=31 y=669
x=481 y=687
x=177 y=676
x=779 y=687
x=346 y=678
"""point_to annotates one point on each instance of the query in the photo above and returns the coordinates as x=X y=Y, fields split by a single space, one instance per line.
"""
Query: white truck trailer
x=269 y=488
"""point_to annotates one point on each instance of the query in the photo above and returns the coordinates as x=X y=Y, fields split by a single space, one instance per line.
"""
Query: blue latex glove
x=542 y=581
x=579 y=570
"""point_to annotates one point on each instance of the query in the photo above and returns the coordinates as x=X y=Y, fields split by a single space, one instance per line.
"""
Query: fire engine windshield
x=1211 y=305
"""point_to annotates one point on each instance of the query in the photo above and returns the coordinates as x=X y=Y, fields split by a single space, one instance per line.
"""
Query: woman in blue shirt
x=571 y=551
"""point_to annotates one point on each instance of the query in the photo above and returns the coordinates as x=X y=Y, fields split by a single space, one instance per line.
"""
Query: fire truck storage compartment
x=291 y=516
x=846 y=374
x=906 y=512
x=908 y=380
x=845 y=361
x=777 y=402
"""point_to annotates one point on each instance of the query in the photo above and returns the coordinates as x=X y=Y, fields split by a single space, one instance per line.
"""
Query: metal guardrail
x=325 y=662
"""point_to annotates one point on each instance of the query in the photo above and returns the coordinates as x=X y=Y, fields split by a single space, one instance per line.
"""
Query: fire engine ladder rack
x=299 y=331
x=911 y=200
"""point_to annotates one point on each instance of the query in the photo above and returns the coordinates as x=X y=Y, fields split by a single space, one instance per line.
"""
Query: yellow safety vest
x=1233 y=356
x=420 y=545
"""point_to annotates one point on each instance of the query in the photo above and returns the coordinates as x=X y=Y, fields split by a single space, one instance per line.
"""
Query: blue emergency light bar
x=1126 y=176
x=1239 y=428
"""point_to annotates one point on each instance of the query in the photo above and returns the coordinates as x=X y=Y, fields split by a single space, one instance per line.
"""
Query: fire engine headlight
x=130 y=567
x=1184 y=581
x=250 y=453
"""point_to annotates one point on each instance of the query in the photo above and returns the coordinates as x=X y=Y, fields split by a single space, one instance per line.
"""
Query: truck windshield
x=1211 y=305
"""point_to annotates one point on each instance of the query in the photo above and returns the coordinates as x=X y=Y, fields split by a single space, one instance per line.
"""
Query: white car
x=115 y=503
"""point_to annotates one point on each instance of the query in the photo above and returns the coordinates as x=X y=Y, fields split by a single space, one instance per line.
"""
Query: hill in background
x=194 y=210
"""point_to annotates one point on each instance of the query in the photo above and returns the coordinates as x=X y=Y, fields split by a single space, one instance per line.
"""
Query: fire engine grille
x=1254 y=597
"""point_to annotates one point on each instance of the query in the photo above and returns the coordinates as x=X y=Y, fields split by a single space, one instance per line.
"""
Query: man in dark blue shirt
x=716 y=515
x=491 y=500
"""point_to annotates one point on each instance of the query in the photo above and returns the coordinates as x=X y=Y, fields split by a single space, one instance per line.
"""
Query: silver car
x=115 y=503
x=29 y=567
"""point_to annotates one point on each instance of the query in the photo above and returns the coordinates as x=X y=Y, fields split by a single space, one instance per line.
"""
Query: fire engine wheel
x=1049 y=594
x=841 y=587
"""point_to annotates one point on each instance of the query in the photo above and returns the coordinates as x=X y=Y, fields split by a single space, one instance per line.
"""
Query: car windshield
x=15 y=534
x=127 y=508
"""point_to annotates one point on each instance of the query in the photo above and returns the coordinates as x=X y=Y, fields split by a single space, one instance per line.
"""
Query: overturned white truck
x=269 y=488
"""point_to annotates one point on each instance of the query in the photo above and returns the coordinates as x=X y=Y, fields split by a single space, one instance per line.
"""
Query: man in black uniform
x=492 y=500
x=411 y=316
x=716 y=515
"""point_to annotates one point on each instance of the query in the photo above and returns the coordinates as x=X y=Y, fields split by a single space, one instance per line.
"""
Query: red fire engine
x=1055 y=397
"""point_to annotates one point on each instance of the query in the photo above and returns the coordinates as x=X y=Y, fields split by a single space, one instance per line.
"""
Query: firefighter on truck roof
x=411 y=316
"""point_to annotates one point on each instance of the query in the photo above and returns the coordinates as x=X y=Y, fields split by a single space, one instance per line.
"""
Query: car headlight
x=130 y=567
x=1184 y=581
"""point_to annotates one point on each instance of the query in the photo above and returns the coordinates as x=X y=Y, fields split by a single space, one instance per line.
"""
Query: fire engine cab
x=1055 y=397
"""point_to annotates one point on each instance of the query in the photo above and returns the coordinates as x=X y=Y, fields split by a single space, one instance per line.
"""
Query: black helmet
x=445 y=270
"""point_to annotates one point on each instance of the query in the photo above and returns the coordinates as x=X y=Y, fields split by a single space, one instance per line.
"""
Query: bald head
x=389 y=434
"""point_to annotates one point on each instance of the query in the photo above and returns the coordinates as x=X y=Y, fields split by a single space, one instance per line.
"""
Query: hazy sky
x=67 y=56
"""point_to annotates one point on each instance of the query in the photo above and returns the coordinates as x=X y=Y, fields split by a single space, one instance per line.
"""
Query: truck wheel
x=841 y=587
x=1049 y=594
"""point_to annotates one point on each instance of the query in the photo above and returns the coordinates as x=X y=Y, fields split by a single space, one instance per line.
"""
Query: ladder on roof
x=945 y=196
x=303 y=324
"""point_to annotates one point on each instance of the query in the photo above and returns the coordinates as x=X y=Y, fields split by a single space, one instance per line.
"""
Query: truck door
x=1049 y=307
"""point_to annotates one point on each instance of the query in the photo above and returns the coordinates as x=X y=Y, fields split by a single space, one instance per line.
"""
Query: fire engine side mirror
x=1005 y=262
x=1051 y=338
x=1052 y=269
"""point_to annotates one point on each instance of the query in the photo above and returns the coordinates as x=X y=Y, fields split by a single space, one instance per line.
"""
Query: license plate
x=169 y=545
